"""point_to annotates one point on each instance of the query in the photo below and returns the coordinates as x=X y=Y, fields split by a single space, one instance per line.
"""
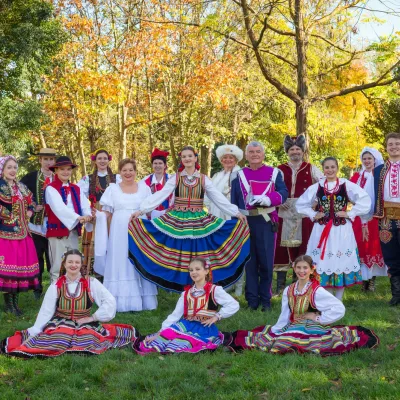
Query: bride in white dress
x=119 y=202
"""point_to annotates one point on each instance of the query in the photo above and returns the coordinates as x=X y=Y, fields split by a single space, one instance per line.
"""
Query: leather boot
x=371 y=284
x=364 y=286
x=17 y=310
x=280 y=282
x=8 y=304
x=395 y=287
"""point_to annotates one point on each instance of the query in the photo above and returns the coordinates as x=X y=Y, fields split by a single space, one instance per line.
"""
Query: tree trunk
x=205 y=159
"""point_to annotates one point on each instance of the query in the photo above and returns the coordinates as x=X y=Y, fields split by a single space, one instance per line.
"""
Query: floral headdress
x=3 y=161
x=101 y=150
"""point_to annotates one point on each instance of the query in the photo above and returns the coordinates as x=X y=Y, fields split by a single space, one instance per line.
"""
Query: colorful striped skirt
x=306 y=337
x=161 y=249
x=183 y=337
x=61 y=336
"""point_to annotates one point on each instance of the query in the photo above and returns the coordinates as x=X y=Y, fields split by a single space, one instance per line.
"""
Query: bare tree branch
x=264 y=69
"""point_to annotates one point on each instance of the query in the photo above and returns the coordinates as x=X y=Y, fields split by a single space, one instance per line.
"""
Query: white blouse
x=84 y=182
x=102 y=297
x=229 y=307
x=328 y=305
x=358 y=196
x=212 y=192
x=65 y=212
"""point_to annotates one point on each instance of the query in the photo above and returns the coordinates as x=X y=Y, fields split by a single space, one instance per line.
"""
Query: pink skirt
x=19 y=267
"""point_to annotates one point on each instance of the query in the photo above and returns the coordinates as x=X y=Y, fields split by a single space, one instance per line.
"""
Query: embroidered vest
x=202 y=307
x=13 y=209
x=73 y=307
x=55 y=228
x=156 y=188
x=189 y=195
x=104 y=182
x=331 y=203
x=303 y=179
x=380 y=174
x=301 y=304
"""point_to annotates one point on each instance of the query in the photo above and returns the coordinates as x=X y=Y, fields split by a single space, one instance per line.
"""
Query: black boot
x=17 y=310
x=395 y=287
x=364 y=286
x=371 y=284
x=280 y=282
x=8 y=304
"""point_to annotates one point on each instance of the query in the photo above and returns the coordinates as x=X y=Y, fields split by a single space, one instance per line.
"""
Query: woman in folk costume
x=65 y=323
x=229 y=156
x=304 y=323
x=119 y=201
x=191 y=327
x=161 y=249
x=369 y=248
x=157 y=180
x=93 y=187
x=332 y=244
x=19 y=266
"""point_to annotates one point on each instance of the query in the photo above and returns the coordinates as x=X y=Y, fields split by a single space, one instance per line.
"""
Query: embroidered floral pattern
x=394 y=181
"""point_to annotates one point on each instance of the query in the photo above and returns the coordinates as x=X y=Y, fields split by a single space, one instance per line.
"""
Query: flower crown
x=101 y=150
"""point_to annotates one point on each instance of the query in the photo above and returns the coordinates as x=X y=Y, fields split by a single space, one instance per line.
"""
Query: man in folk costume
x=157 y=180
x=294 y=230
x=67 y=209
x=386 y=202
x=36 y=182
x=257 y=190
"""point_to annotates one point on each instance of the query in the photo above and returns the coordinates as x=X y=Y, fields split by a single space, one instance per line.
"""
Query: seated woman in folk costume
x=65 y=324
x=93 y=187
x=191 y=327
x=161 y=249
x=304 y=324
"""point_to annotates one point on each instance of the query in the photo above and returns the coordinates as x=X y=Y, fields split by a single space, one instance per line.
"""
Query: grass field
x=121 y=374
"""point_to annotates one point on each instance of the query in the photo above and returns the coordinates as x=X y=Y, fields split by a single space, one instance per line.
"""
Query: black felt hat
x=62 y=161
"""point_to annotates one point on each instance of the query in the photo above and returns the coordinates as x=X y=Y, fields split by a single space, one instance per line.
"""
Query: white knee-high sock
x=339 y=293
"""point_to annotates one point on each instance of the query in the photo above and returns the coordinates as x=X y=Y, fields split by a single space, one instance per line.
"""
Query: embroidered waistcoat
x=74 y=308
x=13 y=209
x=303 y=179
x=55 y=228
x=202 y=307
x=156 y=188
x=331 y=203
x=301 y=304
x=189 y=195
x=98 y=192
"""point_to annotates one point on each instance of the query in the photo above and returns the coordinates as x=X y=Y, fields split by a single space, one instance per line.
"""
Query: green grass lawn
x=121 y=374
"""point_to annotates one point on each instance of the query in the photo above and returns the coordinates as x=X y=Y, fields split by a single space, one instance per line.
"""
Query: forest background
x=129 y=75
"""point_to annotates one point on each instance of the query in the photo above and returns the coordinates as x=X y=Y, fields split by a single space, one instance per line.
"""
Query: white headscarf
x=375 y=153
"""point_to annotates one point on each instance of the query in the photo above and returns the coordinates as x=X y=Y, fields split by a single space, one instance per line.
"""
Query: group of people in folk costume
x=155 y=232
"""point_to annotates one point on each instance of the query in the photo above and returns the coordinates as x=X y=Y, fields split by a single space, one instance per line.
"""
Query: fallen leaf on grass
x=222 y=374
x=161 y=358
x=306 y=389
x=391 y=347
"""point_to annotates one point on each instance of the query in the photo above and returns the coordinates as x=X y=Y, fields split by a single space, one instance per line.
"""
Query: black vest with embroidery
x=331 y=203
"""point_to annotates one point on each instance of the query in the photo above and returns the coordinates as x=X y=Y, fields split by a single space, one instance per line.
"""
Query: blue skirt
x=162 y=249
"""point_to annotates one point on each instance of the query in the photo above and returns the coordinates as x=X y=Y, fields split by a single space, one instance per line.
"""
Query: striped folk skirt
x=183 y=337
x=306 y=337
x=61 y=336
x=161 y=249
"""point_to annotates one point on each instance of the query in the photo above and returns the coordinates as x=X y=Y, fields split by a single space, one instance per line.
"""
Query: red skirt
x=369 y=251
x=61 y=336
